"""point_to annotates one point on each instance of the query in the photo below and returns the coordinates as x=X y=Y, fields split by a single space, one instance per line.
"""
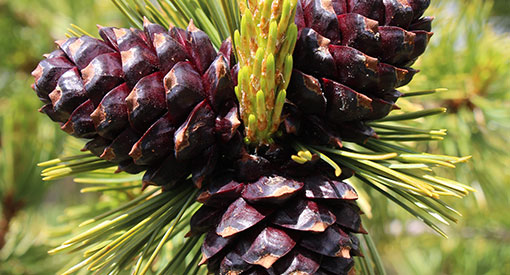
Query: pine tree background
x=469 y=54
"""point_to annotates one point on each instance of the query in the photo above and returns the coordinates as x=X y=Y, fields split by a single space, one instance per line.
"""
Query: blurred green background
x=469 y=54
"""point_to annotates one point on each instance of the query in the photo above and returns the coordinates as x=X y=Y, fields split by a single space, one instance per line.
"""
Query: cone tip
x=191 y=26
x=146 y=21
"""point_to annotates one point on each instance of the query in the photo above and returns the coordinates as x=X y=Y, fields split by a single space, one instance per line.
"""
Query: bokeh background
x=469 y=54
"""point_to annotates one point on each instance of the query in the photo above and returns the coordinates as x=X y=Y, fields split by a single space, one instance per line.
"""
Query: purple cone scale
x=162 y=102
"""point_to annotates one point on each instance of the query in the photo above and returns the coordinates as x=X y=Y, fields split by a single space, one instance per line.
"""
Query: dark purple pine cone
x=154 y=100
x=349 y=58
x=278 y=225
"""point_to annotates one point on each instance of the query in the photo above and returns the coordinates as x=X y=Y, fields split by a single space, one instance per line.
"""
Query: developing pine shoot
x=264 y=49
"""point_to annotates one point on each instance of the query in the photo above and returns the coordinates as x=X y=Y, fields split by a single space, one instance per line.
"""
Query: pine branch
x=141 y=228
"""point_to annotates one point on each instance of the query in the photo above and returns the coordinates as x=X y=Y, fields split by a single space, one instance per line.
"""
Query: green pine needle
x=426 y=92
x=371 y=255
x=414 y=115
x=138 y=229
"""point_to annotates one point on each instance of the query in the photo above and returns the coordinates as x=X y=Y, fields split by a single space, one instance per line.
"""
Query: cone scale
x=167 y=103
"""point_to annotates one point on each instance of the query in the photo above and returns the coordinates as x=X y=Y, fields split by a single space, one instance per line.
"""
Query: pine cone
x=279 y=225
x=349 y=58
x=153 y=100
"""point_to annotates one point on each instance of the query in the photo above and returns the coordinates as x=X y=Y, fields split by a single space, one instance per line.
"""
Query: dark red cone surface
x=349 y=58
x=148 y=100
x=279 y=225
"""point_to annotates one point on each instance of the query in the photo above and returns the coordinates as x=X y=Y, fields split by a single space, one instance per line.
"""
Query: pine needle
x=168 y=232
x=426 y=92
x=414 y=115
